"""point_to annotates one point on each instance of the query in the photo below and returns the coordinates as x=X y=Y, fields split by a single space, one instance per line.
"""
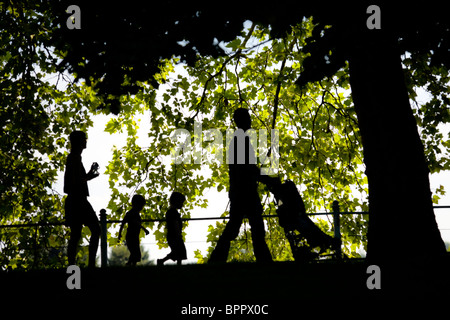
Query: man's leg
x=262 y=252
x=231 y=231
x=75 y=235
x=94 y=226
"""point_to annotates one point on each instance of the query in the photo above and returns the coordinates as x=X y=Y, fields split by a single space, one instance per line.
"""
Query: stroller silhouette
x=303 y=235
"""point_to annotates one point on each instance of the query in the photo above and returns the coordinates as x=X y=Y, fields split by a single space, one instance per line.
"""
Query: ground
x=280 y=285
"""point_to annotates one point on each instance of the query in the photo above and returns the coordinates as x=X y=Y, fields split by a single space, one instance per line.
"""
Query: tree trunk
x=401 y=219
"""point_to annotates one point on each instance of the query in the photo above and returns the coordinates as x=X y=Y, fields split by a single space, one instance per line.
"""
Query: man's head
x=78 y=140
x=242 y=119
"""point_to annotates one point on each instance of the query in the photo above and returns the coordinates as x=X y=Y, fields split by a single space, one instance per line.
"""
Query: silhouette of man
x=244 y=198
x=78 y=210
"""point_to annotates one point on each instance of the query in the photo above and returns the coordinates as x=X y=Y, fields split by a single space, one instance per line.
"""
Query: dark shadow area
x=275 y=282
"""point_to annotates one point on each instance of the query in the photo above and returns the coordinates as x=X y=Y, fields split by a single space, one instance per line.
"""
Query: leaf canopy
x=319 y=142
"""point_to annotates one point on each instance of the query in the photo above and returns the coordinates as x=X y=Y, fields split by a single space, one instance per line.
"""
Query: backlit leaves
x=319 y=143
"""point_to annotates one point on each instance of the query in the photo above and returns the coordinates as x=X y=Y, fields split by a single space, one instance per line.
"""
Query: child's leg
x=135 y=250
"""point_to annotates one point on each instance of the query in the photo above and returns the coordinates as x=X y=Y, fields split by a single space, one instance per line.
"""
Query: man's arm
x=93 y=172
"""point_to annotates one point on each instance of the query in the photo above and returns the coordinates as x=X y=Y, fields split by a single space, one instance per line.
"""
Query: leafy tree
x=255 y=77
x=124 y=54
x=262 y=77
x=371 y=56
x=36 y=117
x=393 y=149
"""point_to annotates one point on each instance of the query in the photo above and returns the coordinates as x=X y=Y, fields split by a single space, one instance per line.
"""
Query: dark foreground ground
x=280 y=285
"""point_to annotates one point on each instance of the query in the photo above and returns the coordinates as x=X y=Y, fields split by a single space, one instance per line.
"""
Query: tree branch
x=234 y=55
x=279 y=81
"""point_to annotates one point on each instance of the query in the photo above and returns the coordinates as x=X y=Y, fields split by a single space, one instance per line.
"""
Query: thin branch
x=222 y=68
x=277 y=94
x=279 y=81
x=237 y=80
x=314 y=124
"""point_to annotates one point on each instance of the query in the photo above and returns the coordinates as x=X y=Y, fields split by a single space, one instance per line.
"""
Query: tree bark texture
x=401 y=219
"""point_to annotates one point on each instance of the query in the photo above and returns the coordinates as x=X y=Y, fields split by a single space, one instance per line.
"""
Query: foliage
x=118 y=256
x=319 y=146
x=431 y=115
x=319 y=141
x=151 y=31
x=36 y=116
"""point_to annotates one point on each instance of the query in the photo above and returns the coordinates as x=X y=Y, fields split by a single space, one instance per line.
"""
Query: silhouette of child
x=133 y=219
x=174 y=229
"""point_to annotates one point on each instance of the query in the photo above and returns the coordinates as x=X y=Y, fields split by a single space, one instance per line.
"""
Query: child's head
x=177 y=199
x=138 y=202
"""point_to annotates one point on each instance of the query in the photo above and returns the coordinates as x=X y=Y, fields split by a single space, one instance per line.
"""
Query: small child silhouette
x=174 y=228
x=133 y=219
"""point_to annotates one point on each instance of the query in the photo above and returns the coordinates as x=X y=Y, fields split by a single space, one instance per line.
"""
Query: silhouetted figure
x=78 y=210
x=133 y=219
x=174 y=228
x=243 y=194
x=296 y=223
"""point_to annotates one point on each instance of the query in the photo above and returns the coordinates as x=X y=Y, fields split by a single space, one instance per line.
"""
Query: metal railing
x=336 y=226
x=336 y=213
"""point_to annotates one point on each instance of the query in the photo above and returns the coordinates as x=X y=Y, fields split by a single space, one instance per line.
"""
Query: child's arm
x=125 y=220
x=179 y=227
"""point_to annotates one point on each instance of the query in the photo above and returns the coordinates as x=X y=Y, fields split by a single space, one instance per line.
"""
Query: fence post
x=337 y=227
x=104 y=244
